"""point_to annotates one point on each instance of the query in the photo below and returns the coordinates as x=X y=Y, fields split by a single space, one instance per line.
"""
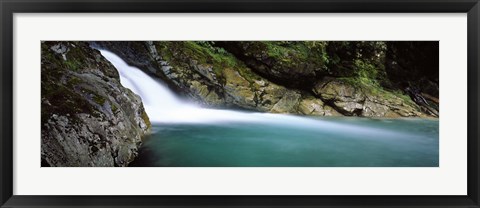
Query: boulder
x=88 y=117
x=316 y=107
x=288 y=103
x=364 y=100
x=238 y=90
x=342 y=95
x=268 y=94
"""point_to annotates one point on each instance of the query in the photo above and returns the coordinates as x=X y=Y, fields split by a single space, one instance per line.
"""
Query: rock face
x=282 y=61
x=361 y=100
x=308 y=77
x=88 y=117
x=346 y=98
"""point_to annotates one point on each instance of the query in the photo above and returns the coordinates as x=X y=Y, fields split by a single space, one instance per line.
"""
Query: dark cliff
x=88 y=118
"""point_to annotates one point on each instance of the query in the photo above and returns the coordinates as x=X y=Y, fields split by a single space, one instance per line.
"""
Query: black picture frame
x=9 y=7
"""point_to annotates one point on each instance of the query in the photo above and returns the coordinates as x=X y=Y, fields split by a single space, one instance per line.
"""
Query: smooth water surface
x=382 y=143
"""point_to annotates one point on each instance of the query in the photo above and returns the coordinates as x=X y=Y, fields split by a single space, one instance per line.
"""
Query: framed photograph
x=212 y=103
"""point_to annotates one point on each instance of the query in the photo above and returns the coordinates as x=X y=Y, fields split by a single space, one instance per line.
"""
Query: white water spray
x=162 y=106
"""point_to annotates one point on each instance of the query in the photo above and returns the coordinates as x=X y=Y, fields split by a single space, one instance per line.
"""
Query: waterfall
x=163 y=106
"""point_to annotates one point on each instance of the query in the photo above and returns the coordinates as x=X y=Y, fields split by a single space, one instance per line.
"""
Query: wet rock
x=208 y=96
x=60 y=49
x=205 y=70
x=88 y=117
x=316 y=107
x=281 y=61
x=364 y=100
x=288 y=103
x=342 y=95
x=267 y=94
x=329 y=111
x=371 y=109
x=237 y=89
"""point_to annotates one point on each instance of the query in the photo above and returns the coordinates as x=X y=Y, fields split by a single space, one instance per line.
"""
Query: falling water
x=162 y=106
x=195 y=136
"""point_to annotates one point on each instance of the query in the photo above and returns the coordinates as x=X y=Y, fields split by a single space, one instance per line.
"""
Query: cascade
x=163 y=106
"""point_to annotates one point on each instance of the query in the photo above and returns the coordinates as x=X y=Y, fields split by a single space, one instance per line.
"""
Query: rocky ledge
x=88 y=117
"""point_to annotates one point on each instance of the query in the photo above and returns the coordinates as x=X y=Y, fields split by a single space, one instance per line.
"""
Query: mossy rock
x=87 y=116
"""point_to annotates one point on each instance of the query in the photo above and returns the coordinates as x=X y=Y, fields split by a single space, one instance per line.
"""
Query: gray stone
x=95 y=121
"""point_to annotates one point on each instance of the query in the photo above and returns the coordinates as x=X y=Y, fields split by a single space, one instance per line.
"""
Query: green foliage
x=209 y=45
x=344 y=56
x=370 y=76
x=366 y=72
x=292 y=53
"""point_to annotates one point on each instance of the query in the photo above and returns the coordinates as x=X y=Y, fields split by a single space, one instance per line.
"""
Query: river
x=185 y=135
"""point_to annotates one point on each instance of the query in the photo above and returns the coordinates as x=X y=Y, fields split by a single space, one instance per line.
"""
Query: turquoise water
x=185 y=135
x=297 y=142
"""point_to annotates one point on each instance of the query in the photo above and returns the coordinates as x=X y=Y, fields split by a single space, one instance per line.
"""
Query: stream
x=185 y=135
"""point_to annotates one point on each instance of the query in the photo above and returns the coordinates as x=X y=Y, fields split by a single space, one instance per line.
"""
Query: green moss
x=100 y=100
x=62 y=101
x=248 y=75
x=215 y=55
x=375 y=89
x=49 y=56
x=76 y=58
x=290 y=51
x=146 y=119
x=289 y=55
x=73 y=65
x=113 y=107
x=401 y=95
x=180 y=53
x=74 y=81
